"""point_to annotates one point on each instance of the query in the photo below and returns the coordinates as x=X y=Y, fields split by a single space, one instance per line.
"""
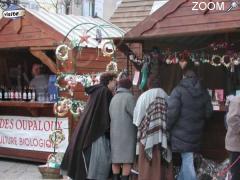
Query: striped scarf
x=152 y=129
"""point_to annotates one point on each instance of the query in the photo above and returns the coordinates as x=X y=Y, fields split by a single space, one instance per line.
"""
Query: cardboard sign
x=31 y=133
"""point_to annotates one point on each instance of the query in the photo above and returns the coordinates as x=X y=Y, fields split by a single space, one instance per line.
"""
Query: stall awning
x=64 y=23
x=177 y=18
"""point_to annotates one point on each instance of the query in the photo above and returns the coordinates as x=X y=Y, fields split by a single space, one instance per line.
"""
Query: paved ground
x=18 y=170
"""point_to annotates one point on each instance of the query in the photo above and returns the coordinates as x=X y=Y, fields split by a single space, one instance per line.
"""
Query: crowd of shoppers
x=118 y=130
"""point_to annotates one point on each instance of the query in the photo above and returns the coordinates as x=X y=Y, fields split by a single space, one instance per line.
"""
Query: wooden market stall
x=26 y=126
x=176 y=27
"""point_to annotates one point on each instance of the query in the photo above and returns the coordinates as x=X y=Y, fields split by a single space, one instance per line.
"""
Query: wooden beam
x=44 y=48
x=44 y=59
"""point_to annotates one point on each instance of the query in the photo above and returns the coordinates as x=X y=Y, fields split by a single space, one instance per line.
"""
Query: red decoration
x=84 y=37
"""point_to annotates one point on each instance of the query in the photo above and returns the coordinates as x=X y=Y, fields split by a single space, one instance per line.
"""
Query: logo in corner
x=233 y=5
x=11 y=9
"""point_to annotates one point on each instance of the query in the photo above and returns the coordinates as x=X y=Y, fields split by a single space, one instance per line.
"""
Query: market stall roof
x=64 y=23
x=177 y=18
x=130 y=12
x=41 y=28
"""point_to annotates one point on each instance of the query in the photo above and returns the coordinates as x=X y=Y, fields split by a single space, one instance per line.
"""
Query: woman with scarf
x=152 y=144
x=88 y=153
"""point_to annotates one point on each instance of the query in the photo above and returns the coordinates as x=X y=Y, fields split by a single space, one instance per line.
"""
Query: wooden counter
x=26 y=108
x=25 y=104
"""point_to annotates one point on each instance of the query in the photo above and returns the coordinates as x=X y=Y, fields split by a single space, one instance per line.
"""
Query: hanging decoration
x=57 y=137
x=108 y=48
x=64 y=105
x=144 y=73
x=112 y=66
x=219 y=45
x=85 y=80
x=217 y=54
x=99 y=36
x=69 y=81
x=84 y=37
x=77 y=108
x=216 y=60
x=57 y=83
x=62 y=53
x=226 y=61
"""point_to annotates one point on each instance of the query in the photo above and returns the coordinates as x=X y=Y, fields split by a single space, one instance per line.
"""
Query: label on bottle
x=12 y=95
x=24 y=96
x=19 y=95
x=33 y=96
x=16 y=95
x=5 y=95
x=29 y=95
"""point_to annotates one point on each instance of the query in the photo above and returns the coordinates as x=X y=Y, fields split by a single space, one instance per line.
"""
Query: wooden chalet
x=33 y=39
x=177 y=27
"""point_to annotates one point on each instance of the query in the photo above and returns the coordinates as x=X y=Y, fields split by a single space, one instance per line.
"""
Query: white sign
x=31 y=133
x=14 y=13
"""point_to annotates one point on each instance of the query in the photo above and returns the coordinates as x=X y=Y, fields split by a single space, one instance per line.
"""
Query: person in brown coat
x=232 y=141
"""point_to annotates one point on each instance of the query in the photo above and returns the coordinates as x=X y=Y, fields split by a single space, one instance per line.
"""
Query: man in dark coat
x=92 y=130
x=188 y=106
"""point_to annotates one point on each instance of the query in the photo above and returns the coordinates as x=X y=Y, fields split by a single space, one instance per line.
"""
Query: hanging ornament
x=206 y=61
x=59 y=77
x=175 y=60
x=108 y=48
x=112 y=66
x=56 y=137
x=71 y=83
x=62 y=107
x=144 y=73
x=85 y=80
x=226 y=61
x=99 y=36
x=84 y=37
x=183 y=64
x=197 y=62
x=77 y=108
x=169 y=60
x=62 y=52
x=216 y=60
x=235 y=59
